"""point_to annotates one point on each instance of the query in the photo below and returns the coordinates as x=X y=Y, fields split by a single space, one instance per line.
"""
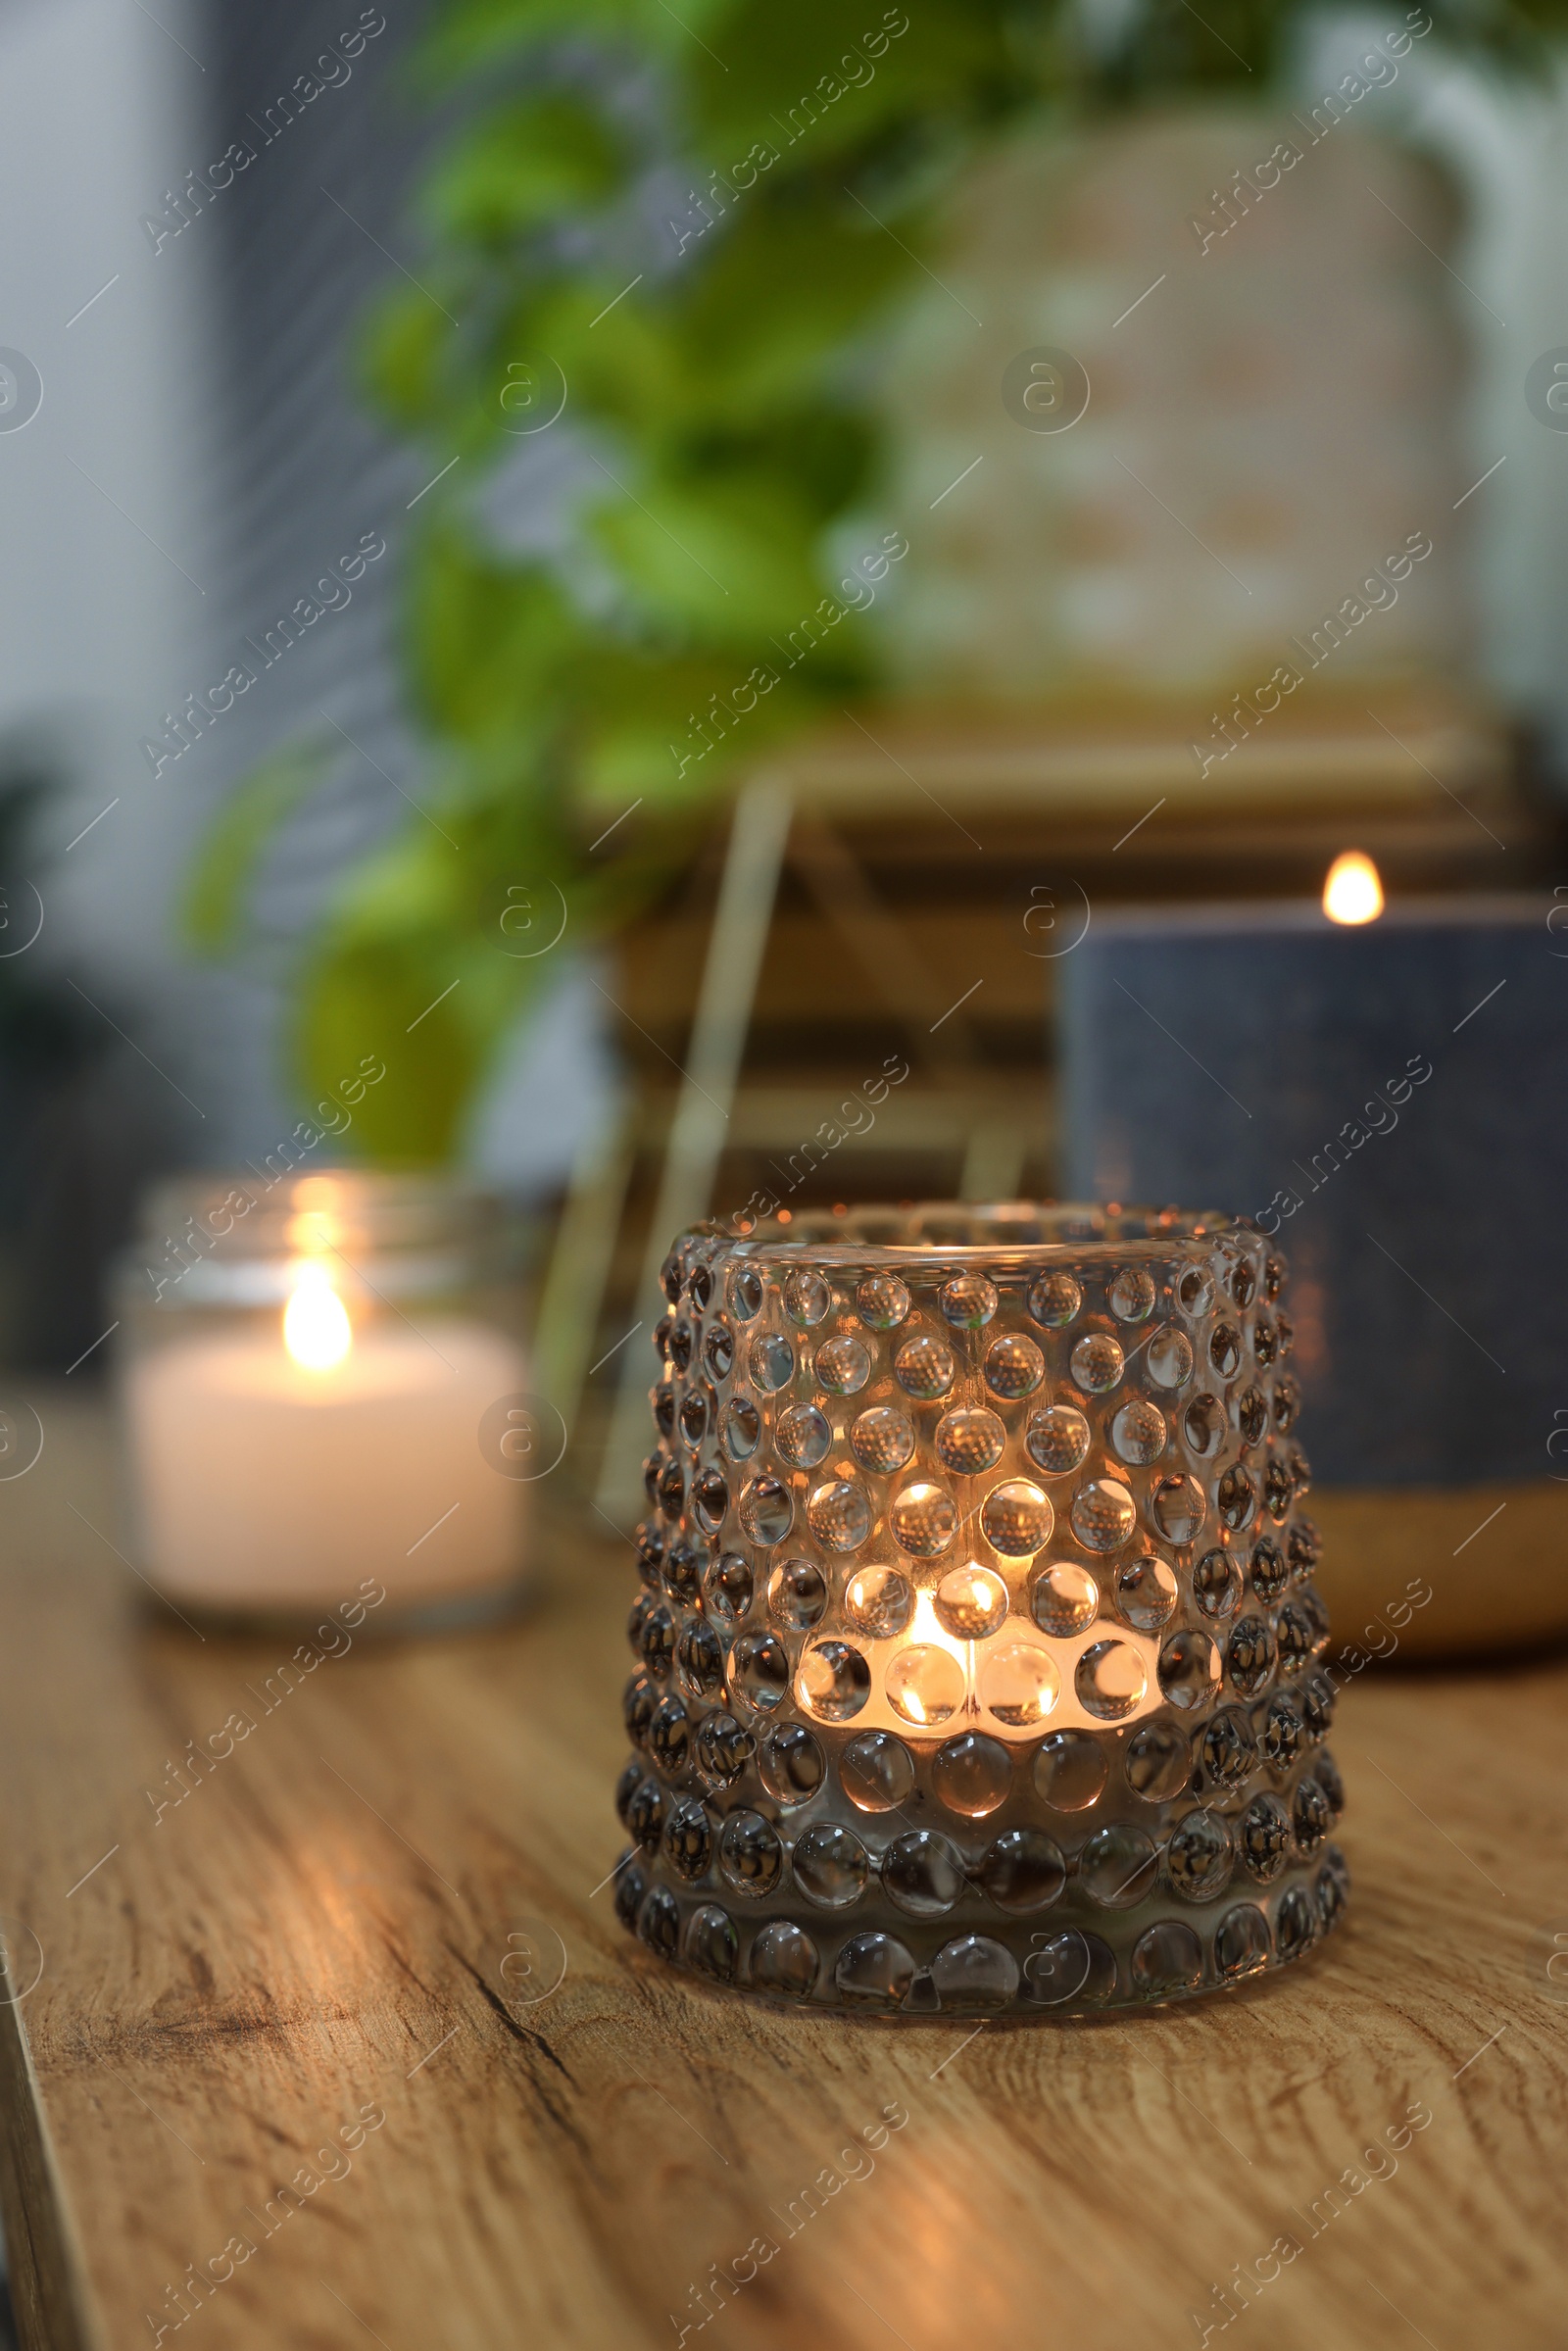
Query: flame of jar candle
x=928 y=1675
x=928 y=1627
x=1352 y=892
x=317 y=1330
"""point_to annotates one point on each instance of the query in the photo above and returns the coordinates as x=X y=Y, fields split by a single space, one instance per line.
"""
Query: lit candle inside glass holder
x=978 y=1645
x=317 y=1402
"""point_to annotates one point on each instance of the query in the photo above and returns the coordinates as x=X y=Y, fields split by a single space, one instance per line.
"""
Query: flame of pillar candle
x=317 y=1330
x=1352 y=892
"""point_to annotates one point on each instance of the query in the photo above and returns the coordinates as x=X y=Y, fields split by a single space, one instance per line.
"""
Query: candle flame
x=929 y=1629
x=1352 y=892
x=317 y=1330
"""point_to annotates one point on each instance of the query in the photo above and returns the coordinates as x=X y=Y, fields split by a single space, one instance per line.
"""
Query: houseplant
x=687 y=227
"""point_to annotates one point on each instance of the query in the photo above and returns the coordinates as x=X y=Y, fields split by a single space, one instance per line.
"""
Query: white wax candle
x=266 y=1484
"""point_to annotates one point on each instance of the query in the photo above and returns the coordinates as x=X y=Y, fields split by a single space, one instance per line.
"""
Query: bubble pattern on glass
x=1192 y=1324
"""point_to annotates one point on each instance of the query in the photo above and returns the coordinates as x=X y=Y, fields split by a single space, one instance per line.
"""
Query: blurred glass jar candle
x=323 y=1397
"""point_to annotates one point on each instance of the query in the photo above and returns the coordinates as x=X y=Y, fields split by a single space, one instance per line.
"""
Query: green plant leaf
x=526 y=164
x=828 y=270
x=732 y=558
x=403 y=349
x=623 y=359
x=218 y=886
x=485 y=639
x=364 y=1000
x=474 y=36
x=815 y=82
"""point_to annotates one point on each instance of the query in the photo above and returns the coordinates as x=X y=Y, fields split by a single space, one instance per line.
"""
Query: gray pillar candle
x=1388 y=1101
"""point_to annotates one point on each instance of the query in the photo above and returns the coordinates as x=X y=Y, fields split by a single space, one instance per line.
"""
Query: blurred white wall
x=106 y=495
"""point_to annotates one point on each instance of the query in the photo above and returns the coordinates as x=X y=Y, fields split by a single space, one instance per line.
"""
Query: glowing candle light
x=963 y=1780
x=317 y=1330
x=294 y=1436
x=1352 y=892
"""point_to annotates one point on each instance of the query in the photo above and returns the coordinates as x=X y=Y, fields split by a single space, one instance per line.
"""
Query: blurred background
x=659 y=574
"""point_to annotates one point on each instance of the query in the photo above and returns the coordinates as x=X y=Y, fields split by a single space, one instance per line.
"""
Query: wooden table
x=332 y=1964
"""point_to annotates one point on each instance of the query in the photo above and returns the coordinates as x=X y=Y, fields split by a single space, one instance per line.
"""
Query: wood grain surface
x=332 y=1965
x=1490 y=1559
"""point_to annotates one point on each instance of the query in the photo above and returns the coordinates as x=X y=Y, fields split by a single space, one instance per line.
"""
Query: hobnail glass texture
x=978 y=1652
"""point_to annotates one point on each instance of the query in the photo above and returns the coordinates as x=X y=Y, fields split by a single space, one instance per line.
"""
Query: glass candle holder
x=978 y=1645
x=324 y=1401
